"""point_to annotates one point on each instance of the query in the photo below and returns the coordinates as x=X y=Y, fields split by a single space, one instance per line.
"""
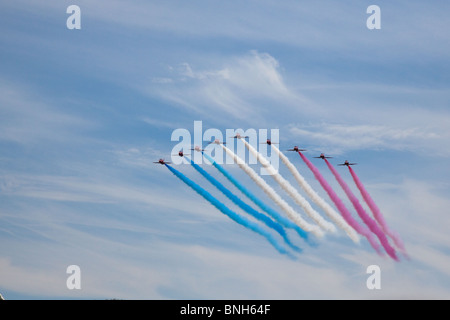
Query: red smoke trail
x=373 y=226
x=340 y=205
x=314 y=196
x=376 y=211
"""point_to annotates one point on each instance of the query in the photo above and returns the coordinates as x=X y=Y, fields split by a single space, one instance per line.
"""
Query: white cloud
x=99 y=190
x=431 y=257
x=337 y=116
x=417 y=211
x=245 y=87
x=251 y=88
x=426 y=202
x=26 y=117
x=105 y=274
x=329 y=26
x=249 y=270
x=338 y=138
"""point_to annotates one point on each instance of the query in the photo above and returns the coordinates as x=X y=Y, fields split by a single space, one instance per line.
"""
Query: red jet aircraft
x=269 y=142
x=346 y=163
x=161 y=161
x=296 y=149
x=181 y=154
x=322 y=156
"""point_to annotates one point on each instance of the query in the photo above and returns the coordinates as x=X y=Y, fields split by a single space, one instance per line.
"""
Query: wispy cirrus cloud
x=93 y=190
x=328 y=25
x=338 y=138
x=27 y=117
x=116 y=208
x=244 y=87
x=252 y=88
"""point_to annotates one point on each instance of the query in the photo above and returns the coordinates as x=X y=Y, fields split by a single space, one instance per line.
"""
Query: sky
x=85 y=112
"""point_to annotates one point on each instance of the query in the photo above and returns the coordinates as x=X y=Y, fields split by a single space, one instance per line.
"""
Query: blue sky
x=84 y=113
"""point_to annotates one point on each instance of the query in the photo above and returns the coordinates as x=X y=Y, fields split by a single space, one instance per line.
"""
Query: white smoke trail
x=298 y=198
x=291 y=213
x=331 y=213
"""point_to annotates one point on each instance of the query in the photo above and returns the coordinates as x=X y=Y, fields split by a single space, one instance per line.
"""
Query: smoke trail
x=316 y=198
x=231 y=214
x=340 y=205
x=275 y=215
x=302 y=202
x=376 y=211
x=291 y=213
x=269 y=222
x=373 y=226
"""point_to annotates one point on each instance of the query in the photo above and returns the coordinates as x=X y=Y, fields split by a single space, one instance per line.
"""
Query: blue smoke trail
x=231 y=214
x=278 y=217
x=258 y=215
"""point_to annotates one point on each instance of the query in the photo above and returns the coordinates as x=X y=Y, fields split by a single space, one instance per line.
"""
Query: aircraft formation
x=303 y=218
